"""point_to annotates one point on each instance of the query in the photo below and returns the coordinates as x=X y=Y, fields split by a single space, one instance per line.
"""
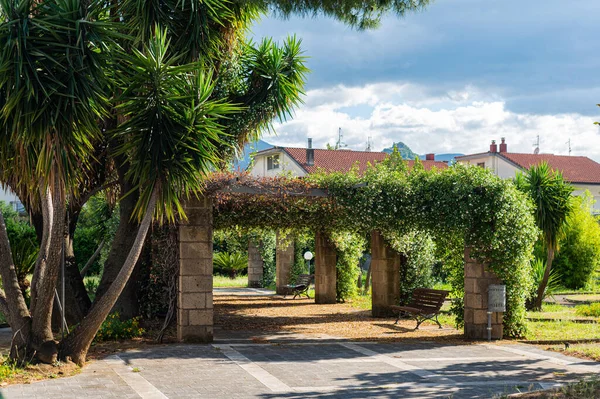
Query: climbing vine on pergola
x=462 y=205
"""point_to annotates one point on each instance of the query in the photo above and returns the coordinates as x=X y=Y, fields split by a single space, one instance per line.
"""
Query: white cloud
x=428 y=120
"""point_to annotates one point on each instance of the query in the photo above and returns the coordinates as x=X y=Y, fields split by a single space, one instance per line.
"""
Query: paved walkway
x=321 y=368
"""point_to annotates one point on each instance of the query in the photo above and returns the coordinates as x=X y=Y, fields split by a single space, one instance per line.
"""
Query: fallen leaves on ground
x=303 y=316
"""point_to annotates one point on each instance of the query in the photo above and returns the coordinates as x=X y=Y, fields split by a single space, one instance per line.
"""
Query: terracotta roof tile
x=343 y=160
x=574 y=169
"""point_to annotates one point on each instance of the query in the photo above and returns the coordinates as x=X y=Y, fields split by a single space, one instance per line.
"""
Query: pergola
x=195 y=256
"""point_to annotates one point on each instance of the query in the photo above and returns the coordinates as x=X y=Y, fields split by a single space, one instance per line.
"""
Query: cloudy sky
x=452 y=78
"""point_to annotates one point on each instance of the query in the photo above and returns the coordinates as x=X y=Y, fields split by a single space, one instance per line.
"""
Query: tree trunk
x=46 y=228
x=12 y=300
x=542 y=288
x=77 y=301
x=124 y=239
x=92 y=259
x=77 y=344
x=46 y=273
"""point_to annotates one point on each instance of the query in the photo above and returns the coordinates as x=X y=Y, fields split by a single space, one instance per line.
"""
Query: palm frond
x=172 y=132
x=52 y=84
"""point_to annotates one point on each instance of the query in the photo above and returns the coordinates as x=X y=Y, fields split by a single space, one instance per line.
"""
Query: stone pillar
x=284 y=260
x=195 y=299
x=255 y=266
x=325 y=271
x=477 y=280
x=385 y=276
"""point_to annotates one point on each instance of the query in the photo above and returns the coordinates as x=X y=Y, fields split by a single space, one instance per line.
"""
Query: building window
x=481 y=164
x=273 y=162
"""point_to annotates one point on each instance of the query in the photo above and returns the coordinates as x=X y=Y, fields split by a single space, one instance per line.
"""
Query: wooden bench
x=425 y=305
x=301 y=287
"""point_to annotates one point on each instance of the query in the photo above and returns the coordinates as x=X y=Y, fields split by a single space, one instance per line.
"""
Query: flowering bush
x=113 y=328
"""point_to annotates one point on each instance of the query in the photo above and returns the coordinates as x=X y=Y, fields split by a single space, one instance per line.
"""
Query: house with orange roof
x=582 y=172
x=304 y=161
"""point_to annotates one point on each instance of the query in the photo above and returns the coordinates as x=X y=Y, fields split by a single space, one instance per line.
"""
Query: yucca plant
x=551 y=195
x=538 y=268
x=170 y=137
x=230 y=263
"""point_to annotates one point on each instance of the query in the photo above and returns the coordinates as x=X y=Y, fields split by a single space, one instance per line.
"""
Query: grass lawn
x=587 y=351
x=226 y=281
x=561 y=330
x=581 y=390
x=12 y=374
x=558 y=312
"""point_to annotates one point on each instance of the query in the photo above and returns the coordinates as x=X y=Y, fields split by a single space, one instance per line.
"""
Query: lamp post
x=308 y=256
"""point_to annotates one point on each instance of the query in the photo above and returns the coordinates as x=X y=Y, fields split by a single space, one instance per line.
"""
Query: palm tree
x=52 y=92
x=551 y=196
x=172 y=121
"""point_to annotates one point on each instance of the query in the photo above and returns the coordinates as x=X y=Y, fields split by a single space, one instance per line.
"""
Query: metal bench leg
x=437 y=321
x=419 y=323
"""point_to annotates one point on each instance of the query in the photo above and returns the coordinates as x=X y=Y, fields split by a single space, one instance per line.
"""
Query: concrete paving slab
x=325 y=369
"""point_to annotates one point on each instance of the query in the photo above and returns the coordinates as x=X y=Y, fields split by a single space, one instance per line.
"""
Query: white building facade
x=582 y=172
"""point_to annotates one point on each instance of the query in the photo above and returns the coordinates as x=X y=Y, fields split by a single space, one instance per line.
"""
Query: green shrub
x=97 y=222
x=23 y=242
x=91 y=285
x=417 y=261
x=591 y=310
x=235 y=239
x=113 y=328
x=230 y=263
x=580 y=247
x=304 y=240
x=350 y=248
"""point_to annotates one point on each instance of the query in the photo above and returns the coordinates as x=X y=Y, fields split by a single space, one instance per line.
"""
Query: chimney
x=503 y=147
x=493 y=146
x=310 y=154
x=430 y=157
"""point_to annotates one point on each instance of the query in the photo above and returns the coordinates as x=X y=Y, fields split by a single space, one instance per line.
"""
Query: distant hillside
x=244 y=160
x=404 y=150
x=407 y=153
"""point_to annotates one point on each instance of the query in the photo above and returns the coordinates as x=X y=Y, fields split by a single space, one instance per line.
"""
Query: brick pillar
x=385 y=276
x=255 y=265
x=477 y=280
x=284 y=259
x=325 y=271
x=195 y=299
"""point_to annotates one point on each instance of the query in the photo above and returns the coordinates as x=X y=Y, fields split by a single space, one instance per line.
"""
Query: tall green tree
x=551 y=195
x=579 y=254
x=143 y=98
